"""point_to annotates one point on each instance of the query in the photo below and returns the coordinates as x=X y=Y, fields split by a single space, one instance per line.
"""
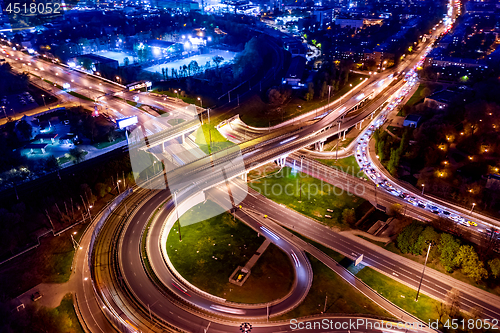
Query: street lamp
x=177 y=92
x=423 y=271
x=43 y=96
x=473 y=205
x=423 y=187
x=201 y=102
x=177 y=211
x=118 y=185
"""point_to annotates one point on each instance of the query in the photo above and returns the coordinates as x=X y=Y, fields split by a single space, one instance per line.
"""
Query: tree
x=25 y=129
x=468 y=260
x=453 y=303
x=448 y=247
x=111 y=134
x=495 y=267
x=324 y=90
x=393 y=164
x=274 y=96
x=217 y=61
x=51 y=163
x=425 y=92
x=78 y=154
x=441 y=312
x=90 y=127
x=408 y=236
x=193 y=67
x=310 y=91
x=102 y=189
x=428 y=235
x=348 y=216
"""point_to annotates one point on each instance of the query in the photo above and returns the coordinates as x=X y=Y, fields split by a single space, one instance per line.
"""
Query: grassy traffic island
x=212 y=249
x=317 y=199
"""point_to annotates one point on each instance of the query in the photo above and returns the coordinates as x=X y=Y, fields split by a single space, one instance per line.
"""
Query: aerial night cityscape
x=217 y=166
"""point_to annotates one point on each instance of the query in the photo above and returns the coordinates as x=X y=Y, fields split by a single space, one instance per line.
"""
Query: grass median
x=318 y=199
x=339 y=295
x=213 y=248
x=401 y=295
x=209 y=139
x=347 y=165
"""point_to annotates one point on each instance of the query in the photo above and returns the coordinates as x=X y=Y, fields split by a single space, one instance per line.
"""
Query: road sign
x=358 y=260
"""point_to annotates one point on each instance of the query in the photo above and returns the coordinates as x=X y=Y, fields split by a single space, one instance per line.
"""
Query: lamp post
x=423 y=187
x=118 y=185
x=177 y=211
x=423 y=271
x=338 y=142
x=473 y=205
x=43 y=96
x=201 y=102
x=177 y=92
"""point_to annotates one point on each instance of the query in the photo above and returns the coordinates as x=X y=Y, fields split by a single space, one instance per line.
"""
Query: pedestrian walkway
x=241 y=274
x=257 y=254
x=52 y=294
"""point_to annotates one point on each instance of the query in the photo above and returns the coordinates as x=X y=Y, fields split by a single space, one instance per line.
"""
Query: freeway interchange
x=138 y=292
x=166 y=301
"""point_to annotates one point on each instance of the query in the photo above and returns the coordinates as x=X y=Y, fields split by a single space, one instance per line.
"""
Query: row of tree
x=390 y=149
x=446 y=249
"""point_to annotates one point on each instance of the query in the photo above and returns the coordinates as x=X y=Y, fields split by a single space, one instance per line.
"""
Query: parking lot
x=17 y=103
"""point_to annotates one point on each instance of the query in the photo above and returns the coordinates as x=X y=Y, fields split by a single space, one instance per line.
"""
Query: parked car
x=36 y=296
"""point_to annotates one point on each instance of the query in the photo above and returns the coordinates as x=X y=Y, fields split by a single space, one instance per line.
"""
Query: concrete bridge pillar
x=244 y=177
x=183 y=137
x=162 y=147
x=343 y=139
x=281 y=161
x=319 y=146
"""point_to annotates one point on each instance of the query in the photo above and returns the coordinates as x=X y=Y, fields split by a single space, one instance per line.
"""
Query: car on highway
x=472 y=223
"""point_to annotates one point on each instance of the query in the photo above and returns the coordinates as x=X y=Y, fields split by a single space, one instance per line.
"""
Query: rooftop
x=36 y=146
x=413 y=117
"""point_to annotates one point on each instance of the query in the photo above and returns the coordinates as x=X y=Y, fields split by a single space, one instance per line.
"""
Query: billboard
x=125 y=122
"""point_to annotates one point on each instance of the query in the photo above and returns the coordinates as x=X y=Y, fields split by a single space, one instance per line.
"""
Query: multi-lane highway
x=109 y=97
x=167 y=307
x=142 y=301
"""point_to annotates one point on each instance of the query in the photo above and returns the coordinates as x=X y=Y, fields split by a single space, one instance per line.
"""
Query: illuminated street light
x=423 y=187
x=201 y=102
x=473 y=205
